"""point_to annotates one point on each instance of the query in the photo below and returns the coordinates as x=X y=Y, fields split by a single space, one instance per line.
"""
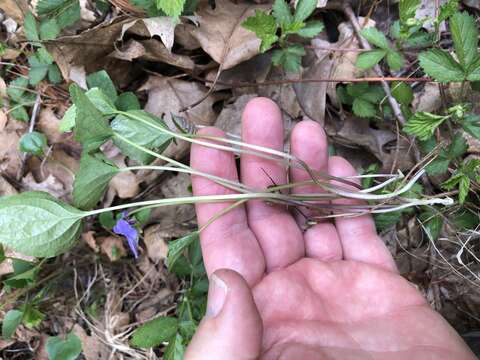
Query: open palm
x=331 y=292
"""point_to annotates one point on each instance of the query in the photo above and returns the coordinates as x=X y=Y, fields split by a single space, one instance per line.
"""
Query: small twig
x=33 y=119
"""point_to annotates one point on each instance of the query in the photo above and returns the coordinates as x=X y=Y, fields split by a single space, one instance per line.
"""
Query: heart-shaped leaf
x=91 y=181
x=37 y=224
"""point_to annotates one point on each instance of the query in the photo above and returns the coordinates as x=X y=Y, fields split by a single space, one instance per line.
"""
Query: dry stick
x=347 y=9
x=36 y=106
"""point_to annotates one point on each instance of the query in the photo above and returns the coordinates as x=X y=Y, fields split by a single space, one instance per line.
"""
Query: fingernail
x=217 y=293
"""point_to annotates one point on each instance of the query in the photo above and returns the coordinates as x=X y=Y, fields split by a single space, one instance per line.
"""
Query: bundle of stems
x=375 y=199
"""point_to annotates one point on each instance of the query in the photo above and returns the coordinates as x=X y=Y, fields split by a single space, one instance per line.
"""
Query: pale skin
x=278 y=292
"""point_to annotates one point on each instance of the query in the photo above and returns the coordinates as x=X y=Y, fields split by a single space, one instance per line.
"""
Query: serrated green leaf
x=311 y=29
x=64 y=349
x=432 y=224
x=19 y=113
x=172 y=8
x=101 y=80
x=37 y=224
x=17 y=88
x=49 y=29
x=154 y=332
x=127 y=101
x=177 y=247
x=32 y=317
x=304 y=9
x=386 y=220
x=368 y=59
x=375 y=37
x=65 y=12
x=264 y=26
x=91 y=181
x=465 y=38
x=402 y=92
x=33 y=143
x=38 y=69
x=290 y=58
x=423 y=124
x=68 y=121
x=407 y=9
x=143 y=129
x=395 y=60
x=447 y=10
x=458 y=147
x=438 y=166
x=30 y=27
x=463 y=189
x=372 y=93
x=91 y=127
x=2 y=254
x=473 y=71
x=441 y=66
x=363 y=108
x=471 y=124
x=10 y=322
x=281 y=12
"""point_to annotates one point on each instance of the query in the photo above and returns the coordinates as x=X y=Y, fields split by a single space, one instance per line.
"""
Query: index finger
x=228 y=242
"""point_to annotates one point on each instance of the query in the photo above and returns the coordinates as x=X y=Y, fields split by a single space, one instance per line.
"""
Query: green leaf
x=290 y=58
x=17 y=88
x=64 y=349
x=24 y=274
x=33 y=143
x=375 y=37
x=441 y=66
x=49 y=29
x=465 y=38
x=172 y=8
x=368 y=59
x=386 y=220
x=54 y=75
x=154 y=332
x=12 y=319
x=264 y=26
x=38 y=69
x=32 y=317
x=458 y=147
x=473 y=70
x=432 y=224
x=423 y=124
x=68 y=121
x=311 y=29
x=463 y=189
x=465 y=219
x=91 y=181
x=101 y=80
x=65 y=12
x=281 y=12
x=438 y=166
x=141 y=128
x=363 y=108
x=91 y=128
x=402 y=92
x=30 y=27
x=395 y=60
x=304 y=9
x=471 y=124
x=2 y=254
x=127 y=101
x=175 y=349
x=37 y=224
x=106 y=220
x=407 y=9
x=177 y=247
x=20 y=113
x=447 y=10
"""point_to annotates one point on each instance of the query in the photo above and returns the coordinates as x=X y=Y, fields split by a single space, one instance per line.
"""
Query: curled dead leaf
x=89 y=238
x=155 y=242
x=112 y=247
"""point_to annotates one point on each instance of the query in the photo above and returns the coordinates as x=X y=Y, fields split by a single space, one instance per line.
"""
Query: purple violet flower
x=124 y=227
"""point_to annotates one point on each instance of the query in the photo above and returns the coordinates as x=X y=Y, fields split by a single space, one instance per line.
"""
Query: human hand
x=331 y=292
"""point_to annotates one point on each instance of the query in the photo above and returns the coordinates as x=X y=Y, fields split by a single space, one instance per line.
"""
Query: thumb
x=232 y=327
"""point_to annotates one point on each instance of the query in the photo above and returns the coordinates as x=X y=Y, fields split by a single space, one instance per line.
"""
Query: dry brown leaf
x=152 y=50
x=48 y=124
x=3 y=120
x=6 y=188
x=184 y=37
x=155 y=243
x=168 y=96
x=15 y=9
x=112 y=247
x=3 y=88
x=230 y=119
x=125 y=184
x=221 y=35
x=89 y=238
x=92 y=347
x=10 y=157
x=51 y=185
x=161 y=26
